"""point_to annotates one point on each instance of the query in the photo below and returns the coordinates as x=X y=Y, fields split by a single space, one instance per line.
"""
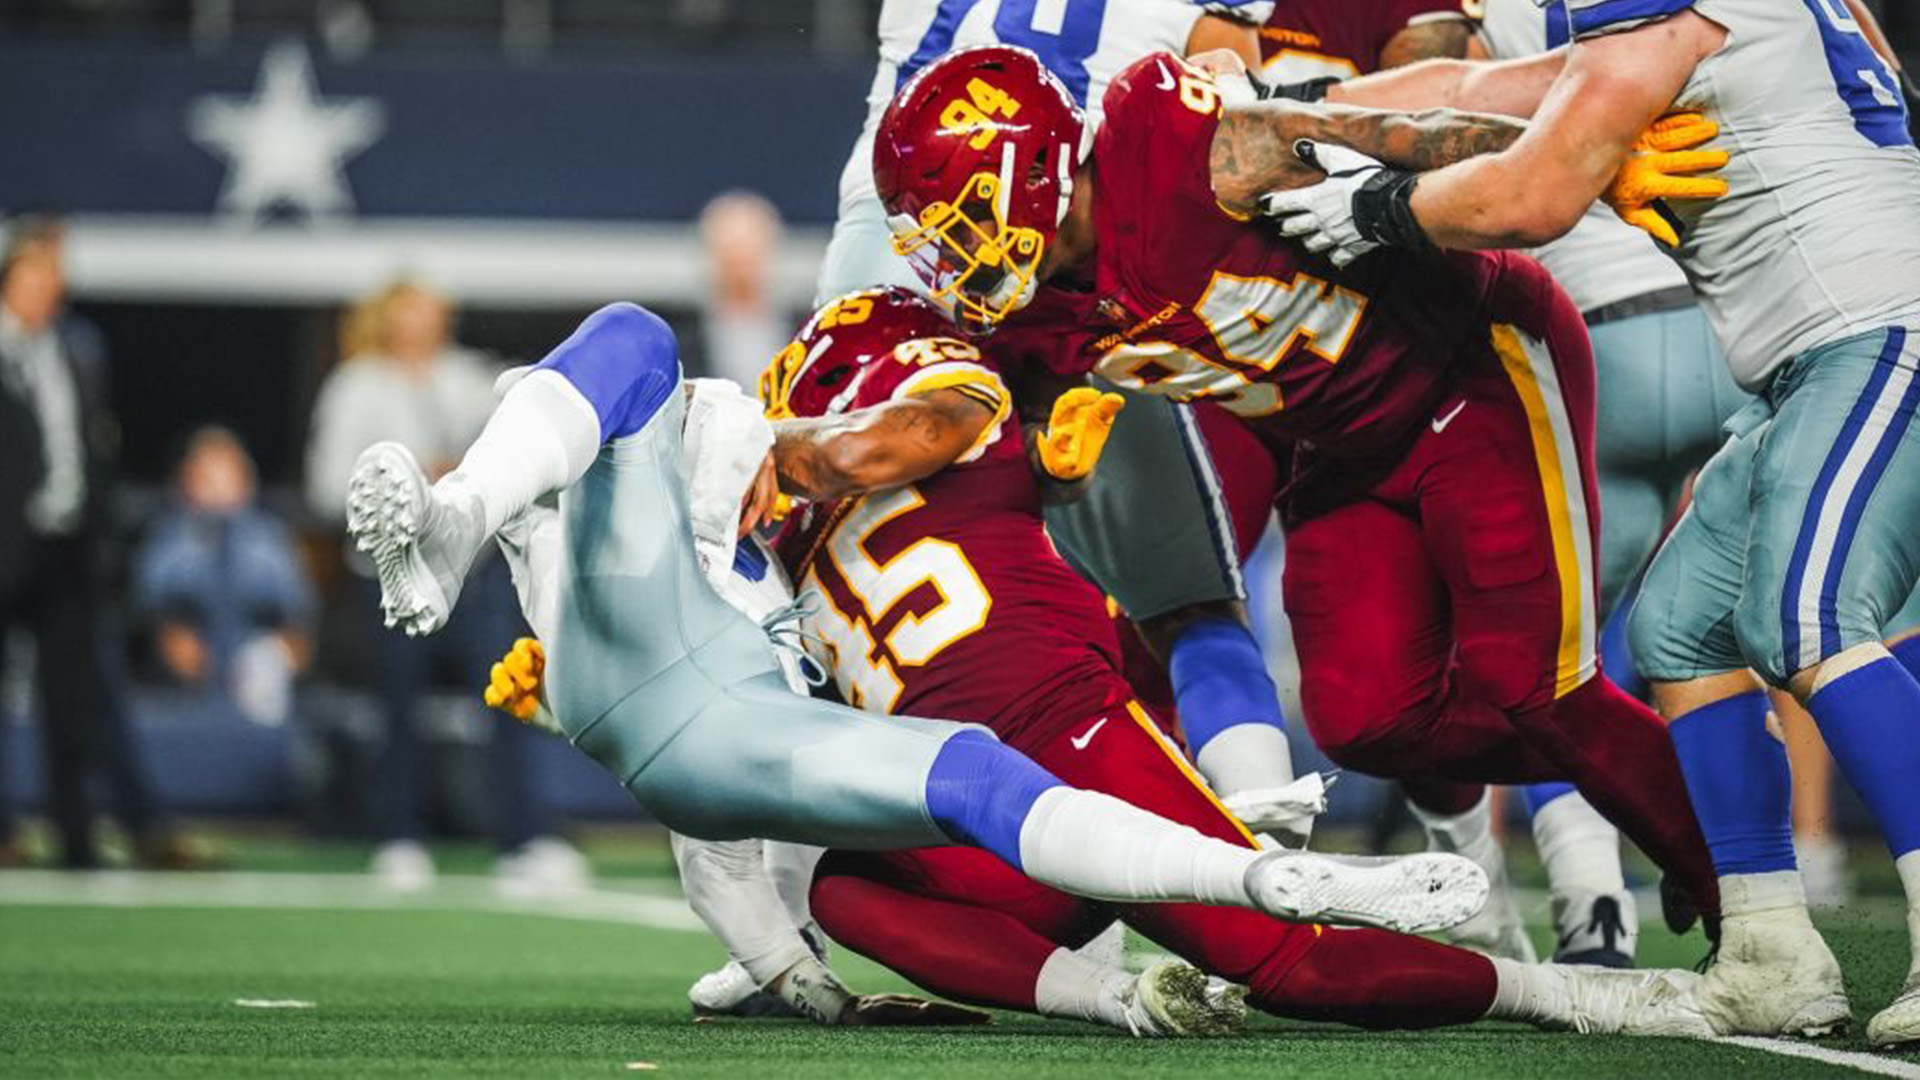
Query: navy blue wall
x=102 y=127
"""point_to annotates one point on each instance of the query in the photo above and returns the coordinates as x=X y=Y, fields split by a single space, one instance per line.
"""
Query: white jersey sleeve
x=1818 y=238
x=1083 y=42
x=1603 y=260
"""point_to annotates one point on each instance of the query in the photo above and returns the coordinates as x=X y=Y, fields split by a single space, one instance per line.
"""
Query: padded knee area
x=1758 y=624
x=1757 y=627
x=625 y=361
x=979 y=792
x=1672 y=640
x=1383 y=754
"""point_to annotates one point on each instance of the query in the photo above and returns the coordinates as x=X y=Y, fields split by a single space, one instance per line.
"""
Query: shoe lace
x=784 y=627
x=1592 y=995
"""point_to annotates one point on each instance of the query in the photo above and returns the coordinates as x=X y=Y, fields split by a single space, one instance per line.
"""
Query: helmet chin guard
x=974 y=160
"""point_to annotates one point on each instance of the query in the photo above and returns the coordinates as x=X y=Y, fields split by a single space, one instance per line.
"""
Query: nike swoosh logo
x=1081 y=741
x=1166 y=77
x=1440 y=422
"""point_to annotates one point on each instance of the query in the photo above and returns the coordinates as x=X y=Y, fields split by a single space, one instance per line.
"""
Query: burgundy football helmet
x=974 y=161
x=813 y=375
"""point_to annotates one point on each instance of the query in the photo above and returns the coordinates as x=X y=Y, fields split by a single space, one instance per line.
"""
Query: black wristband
x=1311 y=90
x=1383 y=210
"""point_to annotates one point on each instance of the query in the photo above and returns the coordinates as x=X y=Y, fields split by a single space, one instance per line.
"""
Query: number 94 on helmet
x=974 y=161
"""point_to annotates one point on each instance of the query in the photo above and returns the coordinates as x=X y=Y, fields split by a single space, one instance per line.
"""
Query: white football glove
x=1322 y=216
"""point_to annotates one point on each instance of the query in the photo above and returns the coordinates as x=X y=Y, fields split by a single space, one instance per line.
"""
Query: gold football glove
x=1661 y=167
x=514 y=684
x=1082 y=420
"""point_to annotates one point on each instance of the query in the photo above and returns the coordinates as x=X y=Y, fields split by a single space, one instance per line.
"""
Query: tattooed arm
x=1610 y=89
x=1433 y=39
x=1253 y=145
x=881 y=446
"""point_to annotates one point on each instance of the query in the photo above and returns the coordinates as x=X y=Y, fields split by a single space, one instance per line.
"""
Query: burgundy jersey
x=1317 y=39
x=1191 y=301
x=945 y=598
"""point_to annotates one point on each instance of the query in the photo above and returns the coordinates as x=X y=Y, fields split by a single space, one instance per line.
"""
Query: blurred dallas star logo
x=286 y=148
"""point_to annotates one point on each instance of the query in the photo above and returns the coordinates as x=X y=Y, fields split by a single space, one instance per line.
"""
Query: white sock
x=540 y=439
x=1074 y=988
x=1909 y=867
x=791 y=868
x=1580 y=849
x=726 y=884
x=534 y=543
x=1749 y=894
x=1246 y=757
x=1094 y=845
x=1526 y=993
x=1469 y=834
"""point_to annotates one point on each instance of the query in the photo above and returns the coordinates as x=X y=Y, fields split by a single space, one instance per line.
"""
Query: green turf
x=139 y=992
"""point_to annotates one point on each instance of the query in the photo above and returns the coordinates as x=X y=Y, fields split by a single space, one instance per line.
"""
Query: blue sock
x=1908 y=653
x=1220 y=680
x=1616 y=655
x=1870 y=718
x=979 y=792
x=1539 y=795
x=624 y=360
x=1737 y=776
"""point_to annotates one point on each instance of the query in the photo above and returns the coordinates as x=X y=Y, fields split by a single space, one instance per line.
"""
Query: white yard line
x=1872 y=1063
x=449 y=892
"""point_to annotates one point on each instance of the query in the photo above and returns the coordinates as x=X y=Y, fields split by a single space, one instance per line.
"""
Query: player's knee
x=1362 y=748
x=1780 y=644
x=635 y=328
x=1757 y=627
x=1668 y=638
x=979 y=792
x=1507 y=674
x=625 y=361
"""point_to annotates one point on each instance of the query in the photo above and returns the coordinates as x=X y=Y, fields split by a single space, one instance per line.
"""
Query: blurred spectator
x=220 y=584
x=741 y=324
x=56 y=533
x=405 y=380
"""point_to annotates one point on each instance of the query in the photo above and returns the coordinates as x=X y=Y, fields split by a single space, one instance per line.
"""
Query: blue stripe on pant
x=1880 y=415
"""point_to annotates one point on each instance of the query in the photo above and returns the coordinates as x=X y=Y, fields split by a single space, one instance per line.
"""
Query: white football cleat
x=730 y=991
x=1599 y=1001
x=1898 y=1025
x=1773 y=975
x=1414 y=894
x=1599 y=929
x=421 y=545
x=1175 y=1000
